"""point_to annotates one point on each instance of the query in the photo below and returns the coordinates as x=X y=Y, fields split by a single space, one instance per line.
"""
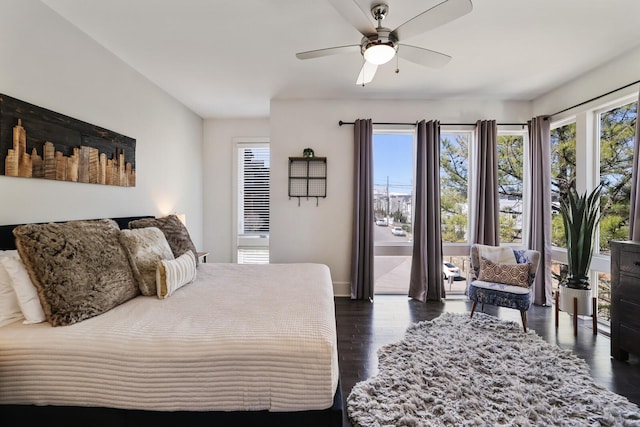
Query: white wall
x=307 y=233
x=619 y=72
x=219 y=136
x=48 y=62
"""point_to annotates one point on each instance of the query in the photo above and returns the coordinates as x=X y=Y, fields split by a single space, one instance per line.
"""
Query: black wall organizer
x=307 y=177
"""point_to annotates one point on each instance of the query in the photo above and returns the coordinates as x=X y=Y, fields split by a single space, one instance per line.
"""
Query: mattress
x=240 y=337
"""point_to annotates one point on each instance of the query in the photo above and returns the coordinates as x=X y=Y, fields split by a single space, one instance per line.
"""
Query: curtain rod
x=594 y=98
x=506 y=124
x=441 y=124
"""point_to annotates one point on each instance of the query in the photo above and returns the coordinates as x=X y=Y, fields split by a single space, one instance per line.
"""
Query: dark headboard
x=7 y=241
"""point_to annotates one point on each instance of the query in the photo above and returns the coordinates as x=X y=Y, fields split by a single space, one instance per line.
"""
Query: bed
x=241 y=344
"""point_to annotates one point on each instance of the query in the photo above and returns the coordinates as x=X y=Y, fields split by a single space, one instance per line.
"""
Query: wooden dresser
x=625 y=299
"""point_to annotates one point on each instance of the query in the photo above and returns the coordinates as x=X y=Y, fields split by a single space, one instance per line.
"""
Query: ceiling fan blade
x=328 y=51
x=432 y=18
x=420 y=56
x=352 y=13
x=367 y=73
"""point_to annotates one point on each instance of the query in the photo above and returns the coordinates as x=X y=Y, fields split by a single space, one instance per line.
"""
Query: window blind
x=254 y=191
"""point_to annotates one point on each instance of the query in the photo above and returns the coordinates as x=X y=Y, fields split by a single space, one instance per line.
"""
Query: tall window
x=510 y=157
x=617 y=132
x=612 y=148
x=454 y=182
x=253 y=203
x=393 y=207
x=563 y=175
x=393 y=186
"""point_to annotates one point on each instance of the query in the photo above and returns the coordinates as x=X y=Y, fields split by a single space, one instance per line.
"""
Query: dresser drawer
x=629 y=314
x=630 y=261
x=627 y=288
x=629 y=339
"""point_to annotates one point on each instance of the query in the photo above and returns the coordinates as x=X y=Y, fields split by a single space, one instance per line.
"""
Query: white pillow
x=24 y=289
x=9 y=307
x=497 y=254
x=171 y=275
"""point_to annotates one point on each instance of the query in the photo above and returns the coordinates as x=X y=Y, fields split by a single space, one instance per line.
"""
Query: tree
x=616 y=158
x=617 y=132
x=563 y=175
x=453 y=187
x=510 y=160
x=454 y=159
x=399 y=216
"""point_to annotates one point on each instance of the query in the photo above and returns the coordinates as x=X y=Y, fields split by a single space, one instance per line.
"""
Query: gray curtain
x=362 y=242
x=539 y=237
x=486 y=206
x=634 y=214
x=426 y=282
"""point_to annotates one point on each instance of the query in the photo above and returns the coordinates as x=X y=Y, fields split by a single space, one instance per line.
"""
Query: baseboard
x=342 y=289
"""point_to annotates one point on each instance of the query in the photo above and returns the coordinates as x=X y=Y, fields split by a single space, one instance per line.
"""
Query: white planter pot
x=585 y=305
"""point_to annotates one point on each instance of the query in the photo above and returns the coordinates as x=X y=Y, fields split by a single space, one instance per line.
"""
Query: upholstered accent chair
x=502 y=276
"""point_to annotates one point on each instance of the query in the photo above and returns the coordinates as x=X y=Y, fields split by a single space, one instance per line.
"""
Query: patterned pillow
x=171 y=275
x=174 y=230
x=146 y=246
x=508 y=274
x=79 y=268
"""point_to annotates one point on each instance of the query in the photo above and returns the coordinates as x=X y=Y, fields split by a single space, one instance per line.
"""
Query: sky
x=393 y=158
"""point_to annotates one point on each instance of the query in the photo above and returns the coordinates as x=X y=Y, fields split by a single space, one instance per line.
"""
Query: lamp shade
x=379 y=53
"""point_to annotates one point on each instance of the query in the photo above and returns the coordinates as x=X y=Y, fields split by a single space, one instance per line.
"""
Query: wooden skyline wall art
x=40 y=143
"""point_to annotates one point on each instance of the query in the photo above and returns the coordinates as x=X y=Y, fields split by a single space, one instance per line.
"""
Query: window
x=510 y=158
x=253 y=203
x=616 y=146
x=393 y=202
x=393 y=187
x=563 y=175
x=617 y=132
x=595 y=147
x=454 y=181
x=393 y=175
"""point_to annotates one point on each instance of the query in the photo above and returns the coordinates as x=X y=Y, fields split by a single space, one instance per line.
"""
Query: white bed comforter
x=240 y=337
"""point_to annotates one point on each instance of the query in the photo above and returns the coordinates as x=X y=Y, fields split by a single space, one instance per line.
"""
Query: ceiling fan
x=380 y=45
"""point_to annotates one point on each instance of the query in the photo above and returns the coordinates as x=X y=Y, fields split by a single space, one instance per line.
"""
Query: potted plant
x=580 y=217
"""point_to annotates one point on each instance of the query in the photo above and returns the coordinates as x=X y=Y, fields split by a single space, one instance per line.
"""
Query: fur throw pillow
x=174 y=230
x=79 y=268
x=146 y=246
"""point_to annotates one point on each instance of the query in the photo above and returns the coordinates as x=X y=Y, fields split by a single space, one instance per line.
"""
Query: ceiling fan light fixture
x=379 y=53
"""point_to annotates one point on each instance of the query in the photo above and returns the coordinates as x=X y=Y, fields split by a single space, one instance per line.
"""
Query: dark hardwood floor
x=363 y=327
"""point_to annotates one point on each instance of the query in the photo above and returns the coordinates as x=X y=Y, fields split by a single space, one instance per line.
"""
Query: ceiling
x=230 y=58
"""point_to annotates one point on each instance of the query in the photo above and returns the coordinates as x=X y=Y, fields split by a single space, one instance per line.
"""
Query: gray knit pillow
x=79 y=268
x=173 y=229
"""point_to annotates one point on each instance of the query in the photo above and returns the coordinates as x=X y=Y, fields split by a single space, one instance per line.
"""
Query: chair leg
x=473 y=308
x=482 y=307
x=523 y=315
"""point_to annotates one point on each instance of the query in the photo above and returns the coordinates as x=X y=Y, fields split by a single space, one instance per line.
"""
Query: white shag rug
x=457 y=371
